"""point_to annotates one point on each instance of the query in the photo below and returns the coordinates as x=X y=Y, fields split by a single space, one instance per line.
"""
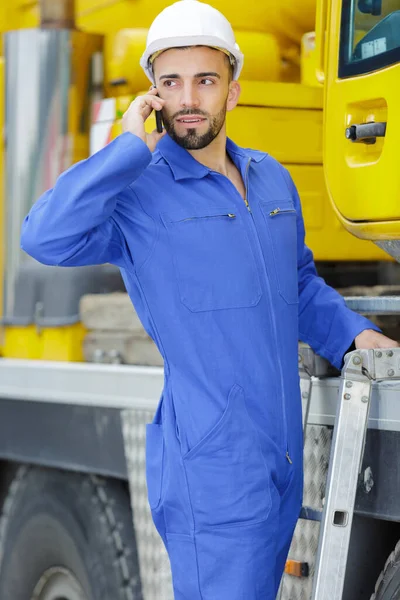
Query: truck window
x=369 y=36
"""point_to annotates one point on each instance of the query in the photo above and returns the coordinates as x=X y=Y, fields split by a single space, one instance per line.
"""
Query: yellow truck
x=79 y=378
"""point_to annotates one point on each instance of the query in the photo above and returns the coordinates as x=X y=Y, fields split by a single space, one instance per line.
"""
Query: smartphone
x=159 y=121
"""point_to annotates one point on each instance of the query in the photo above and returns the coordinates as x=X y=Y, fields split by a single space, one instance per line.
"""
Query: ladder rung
x=310 y=514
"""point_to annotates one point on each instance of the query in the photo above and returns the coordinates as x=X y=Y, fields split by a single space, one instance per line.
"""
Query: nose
x=189 y=97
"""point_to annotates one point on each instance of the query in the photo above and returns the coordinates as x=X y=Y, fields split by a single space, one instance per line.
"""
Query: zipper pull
x=274 y=212
x=231 y=216
x=288 y=457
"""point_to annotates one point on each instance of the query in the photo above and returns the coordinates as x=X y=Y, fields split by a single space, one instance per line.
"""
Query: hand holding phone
x=133 y=119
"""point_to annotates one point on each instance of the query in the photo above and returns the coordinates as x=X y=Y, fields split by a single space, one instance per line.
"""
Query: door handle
x=365 y=132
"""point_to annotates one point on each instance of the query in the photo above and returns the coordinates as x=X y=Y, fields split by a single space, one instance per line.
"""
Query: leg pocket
x=228 y=481
x=184 y=569
x=154 y=462
x=238 y=563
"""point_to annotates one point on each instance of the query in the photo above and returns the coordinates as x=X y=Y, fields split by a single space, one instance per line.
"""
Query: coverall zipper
x=230 y=215
x=287 y=456
x=279 y=211
x=273 y=319
x=274 y=213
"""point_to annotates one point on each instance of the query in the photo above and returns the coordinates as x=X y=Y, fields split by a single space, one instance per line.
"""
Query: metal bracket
x=311 y=365
x=305 y=354
x=382 y=364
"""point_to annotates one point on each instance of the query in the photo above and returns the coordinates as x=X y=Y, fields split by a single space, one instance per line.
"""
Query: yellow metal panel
x=49 y=343
x=262 y=56
x=287 y=19
x=22 y=342
x=289 y=135
x=372 y=230
x=325 y=235
x=63 y=343
x=281 y=95
x=309 y=61
x=2 y=183
x=123 y=52
x=83 y=46
x=18 y=14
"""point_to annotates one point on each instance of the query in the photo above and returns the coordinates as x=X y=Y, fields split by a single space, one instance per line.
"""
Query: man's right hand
x=139 y=110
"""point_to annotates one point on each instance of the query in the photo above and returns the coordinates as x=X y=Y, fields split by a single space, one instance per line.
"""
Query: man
x=210 y=241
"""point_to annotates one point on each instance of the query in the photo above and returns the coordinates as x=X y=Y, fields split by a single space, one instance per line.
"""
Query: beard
x=191 y=140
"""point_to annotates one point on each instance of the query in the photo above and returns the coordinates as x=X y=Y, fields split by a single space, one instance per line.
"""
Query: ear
x=233 y=95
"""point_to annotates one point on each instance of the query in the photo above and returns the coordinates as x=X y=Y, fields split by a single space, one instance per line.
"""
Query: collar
x=184 y=166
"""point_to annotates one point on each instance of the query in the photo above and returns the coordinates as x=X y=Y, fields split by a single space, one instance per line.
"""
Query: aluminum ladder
x=361 y=369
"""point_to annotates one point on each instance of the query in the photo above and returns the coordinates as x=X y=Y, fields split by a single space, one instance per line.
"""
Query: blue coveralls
x=226 y=291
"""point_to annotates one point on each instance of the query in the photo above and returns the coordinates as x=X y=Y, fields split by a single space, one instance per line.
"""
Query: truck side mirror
x=371 y=7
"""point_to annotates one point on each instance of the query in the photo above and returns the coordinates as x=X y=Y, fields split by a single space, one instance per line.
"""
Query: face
x=195 y=84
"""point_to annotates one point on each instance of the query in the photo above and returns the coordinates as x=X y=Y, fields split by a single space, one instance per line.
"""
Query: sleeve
x=74 y=224
x=325 y=322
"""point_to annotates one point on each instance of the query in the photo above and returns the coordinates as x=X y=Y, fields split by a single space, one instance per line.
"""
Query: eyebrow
x=205 y=74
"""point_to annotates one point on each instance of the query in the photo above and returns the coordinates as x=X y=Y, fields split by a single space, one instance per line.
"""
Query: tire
x=67 y=535
x=388 y=585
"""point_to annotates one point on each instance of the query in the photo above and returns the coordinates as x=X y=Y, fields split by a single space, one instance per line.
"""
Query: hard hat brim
x=179 y=42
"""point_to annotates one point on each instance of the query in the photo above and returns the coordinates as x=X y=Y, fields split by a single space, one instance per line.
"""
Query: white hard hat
x=190 y=23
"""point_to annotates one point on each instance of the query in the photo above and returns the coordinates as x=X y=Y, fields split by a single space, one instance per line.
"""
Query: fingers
x=157 y=136
x=388 y=343
x=382 y=341
x=152 y=102
x=371 y=339
x=153 y=138
x=153 y=90
x=147 y=102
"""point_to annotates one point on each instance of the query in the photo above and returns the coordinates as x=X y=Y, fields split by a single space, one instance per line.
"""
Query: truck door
x=362 y=115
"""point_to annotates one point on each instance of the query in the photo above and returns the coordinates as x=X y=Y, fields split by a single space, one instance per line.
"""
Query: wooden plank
x=110 y=312
x=121 y=346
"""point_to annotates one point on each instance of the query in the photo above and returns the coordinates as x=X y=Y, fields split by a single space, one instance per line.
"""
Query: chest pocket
x=280 y=216
x=214 y=261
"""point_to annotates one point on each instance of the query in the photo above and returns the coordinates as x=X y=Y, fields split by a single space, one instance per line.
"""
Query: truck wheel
x=388 y=585
x=67 y=536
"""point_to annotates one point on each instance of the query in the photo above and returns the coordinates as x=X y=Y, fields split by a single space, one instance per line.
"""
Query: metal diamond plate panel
x=155 y=569
x=317 y=449
x=305 y=540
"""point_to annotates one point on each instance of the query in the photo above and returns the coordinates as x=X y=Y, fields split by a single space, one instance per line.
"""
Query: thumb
x=154 y=137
